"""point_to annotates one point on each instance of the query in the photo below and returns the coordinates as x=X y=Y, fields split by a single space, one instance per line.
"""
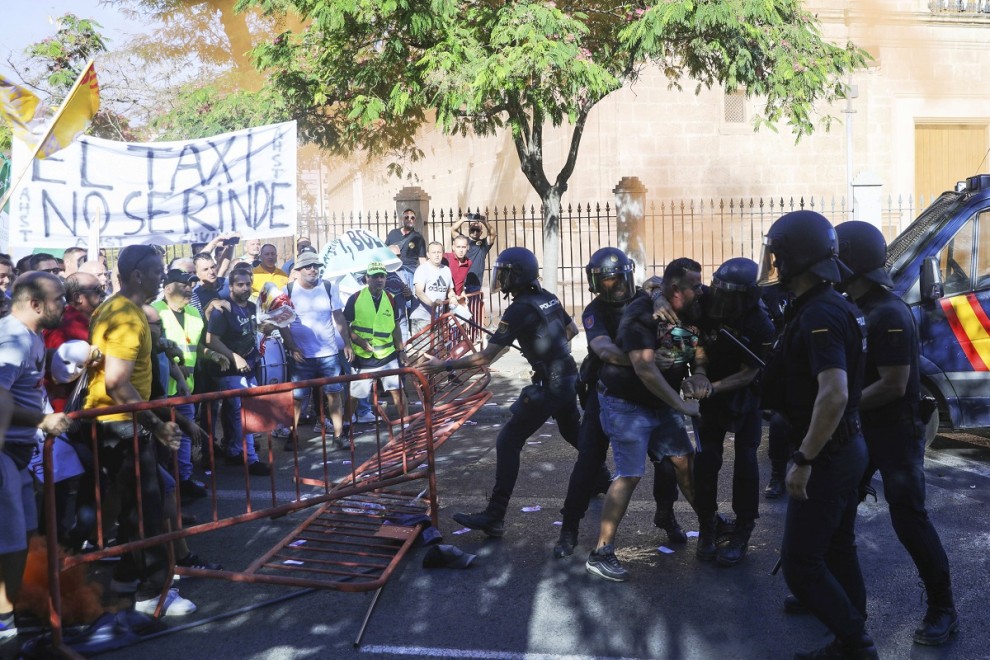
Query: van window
x=956 y=261
x=983 y=251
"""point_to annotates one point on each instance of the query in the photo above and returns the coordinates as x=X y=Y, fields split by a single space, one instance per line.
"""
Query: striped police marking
x=971 y=327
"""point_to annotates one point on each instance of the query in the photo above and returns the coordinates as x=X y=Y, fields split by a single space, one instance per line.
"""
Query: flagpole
x=48 y=132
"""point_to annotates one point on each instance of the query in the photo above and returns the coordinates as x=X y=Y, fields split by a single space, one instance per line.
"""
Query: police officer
x=776 y=299
x=892 y=422
x=610 y=278
x=815 y=380
x=739 y=335
x=538 y=321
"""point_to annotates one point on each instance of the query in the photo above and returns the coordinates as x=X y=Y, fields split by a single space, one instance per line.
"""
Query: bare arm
x=117 y=377
x=830 y=404
x=891 y=386
x=608 y=351
x=646 y=369
x=344 y=329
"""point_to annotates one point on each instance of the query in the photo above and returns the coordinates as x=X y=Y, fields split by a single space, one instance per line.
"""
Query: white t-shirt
x=22 y=369
x=436 y=282
x=313 y=329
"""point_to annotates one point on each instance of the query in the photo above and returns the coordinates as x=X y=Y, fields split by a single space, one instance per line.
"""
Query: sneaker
x=175 y=605
x=8 y=626
x=484 y=521
x=327 y=424
x=259 y=469
x=192 y=560
x=566 y=543
x=234 y=459
x=603 y=563
x=282 y=432
x=341 y=443
x=192 y=490
x=367 y=417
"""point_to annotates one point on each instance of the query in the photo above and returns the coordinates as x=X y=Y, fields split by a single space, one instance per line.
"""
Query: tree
x=367 y=74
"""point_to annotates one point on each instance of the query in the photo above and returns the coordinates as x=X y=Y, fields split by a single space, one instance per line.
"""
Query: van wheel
x=931 y=429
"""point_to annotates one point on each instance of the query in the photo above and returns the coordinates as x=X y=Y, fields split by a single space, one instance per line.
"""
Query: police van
x=940 y=266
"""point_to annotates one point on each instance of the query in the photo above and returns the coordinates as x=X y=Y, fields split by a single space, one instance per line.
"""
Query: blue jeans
x=317 y=367
x=636 y=431
x=184 y=454
x=230 y=417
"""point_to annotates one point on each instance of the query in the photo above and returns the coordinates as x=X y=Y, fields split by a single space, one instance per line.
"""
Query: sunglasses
x=99 y=292
x=310 y=267
x=408 y=217
x=53 y=271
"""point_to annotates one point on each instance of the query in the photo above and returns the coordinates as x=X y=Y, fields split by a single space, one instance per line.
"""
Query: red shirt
x=75 y=325
x=458 y=271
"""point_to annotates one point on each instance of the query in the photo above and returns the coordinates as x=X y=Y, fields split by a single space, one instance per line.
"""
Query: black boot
x=775 y=489
x=732 y=552
x=860 y=648
x=566 y=543
x=665 y=520
x=940 y=621
x=491 y=521
x=706 y=550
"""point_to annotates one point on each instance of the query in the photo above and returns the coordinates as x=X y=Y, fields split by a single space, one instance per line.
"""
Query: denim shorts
x=636 y=431
x=317 y=367
x=17 y=505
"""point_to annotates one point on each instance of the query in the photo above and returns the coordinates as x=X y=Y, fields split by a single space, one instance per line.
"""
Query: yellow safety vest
x=187 y=336
x=374 y=325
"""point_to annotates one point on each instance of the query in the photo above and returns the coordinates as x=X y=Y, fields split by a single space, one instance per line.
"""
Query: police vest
x=374 y=325
x=547 y=346
x=187 y=336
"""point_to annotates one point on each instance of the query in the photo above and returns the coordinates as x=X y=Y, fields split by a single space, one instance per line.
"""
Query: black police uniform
x=776 y=298
x=895 y=440
x=537 y=320
x=737 y=411
x=818 y=555
x=599 y=319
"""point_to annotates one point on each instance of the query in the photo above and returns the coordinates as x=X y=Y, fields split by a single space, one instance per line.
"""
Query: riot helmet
x=863 y=250
x=733 y=290
x=800 y=242
x=515 y=269
x=610 y=275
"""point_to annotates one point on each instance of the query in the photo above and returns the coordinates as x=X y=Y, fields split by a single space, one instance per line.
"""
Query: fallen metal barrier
x=362 y=523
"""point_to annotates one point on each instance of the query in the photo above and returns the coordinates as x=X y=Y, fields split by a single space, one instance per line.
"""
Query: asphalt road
x=517 y=601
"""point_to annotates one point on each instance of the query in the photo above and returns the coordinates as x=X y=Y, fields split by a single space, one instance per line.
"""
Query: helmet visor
x=501 y=277
x=769 y=271
x=613 y=285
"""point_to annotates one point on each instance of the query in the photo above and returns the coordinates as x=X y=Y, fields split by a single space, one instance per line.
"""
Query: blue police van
x=940 y=266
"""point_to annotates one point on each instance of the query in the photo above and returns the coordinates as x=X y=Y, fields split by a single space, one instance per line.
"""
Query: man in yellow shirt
x=268 y=271
x=119 y=329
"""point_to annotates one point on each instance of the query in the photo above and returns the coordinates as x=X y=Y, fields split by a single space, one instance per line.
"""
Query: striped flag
x=24 y=112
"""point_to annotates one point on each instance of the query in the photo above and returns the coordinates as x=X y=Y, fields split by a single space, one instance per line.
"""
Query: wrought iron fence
x=708 y=231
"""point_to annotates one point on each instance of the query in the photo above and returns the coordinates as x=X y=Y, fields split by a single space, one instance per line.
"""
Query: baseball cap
x=181 y=276
x=131 y=256
x=376 y=267
x=307 y=259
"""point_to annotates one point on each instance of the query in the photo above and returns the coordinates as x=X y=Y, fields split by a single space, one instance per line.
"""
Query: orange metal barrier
x=364 y=521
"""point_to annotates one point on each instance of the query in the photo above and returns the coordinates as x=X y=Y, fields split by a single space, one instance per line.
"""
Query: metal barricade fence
x=364 y=520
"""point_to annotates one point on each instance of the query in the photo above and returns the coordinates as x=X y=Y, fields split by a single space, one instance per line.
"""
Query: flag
x=25 y=112
x=22 y=110
x=78 y=108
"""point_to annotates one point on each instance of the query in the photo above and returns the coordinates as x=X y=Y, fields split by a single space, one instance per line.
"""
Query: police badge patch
x=503 y=327
x=589 y=321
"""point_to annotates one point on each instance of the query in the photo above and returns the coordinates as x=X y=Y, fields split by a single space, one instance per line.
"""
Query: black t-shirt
x=754 y=330
x=538 y=321
x=238 y=330
x=826 y=332
x=412 y=246
x=477 y=252
x=368 y=362
x=638 y=330
x=599 y=319
x=891 y=341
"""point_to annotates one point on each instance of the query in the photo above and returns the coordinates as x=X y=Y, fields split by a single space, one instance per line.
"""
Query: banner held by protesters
x=160 y=192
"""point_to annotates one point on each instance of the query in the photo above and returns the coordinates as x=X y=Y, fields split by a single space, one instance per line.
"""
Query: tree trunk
x=551 y=238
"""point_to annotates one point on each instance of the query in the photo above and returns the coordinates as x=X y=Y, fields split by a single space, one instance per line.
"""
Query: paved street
x=517 y=601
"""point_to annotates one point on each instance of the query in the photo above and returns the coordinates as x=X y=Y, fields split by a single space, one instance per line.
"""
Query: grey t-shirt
x=22 y=369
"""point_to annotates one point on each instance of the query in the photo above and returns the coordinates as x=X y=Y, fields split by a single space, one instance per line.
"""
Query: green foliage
x=63 y=55
x=204 y=111
x=771 y=50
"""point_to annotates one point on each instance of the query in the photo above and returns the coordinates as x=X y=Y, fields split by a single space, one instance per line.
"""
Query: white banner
x=352 y=251
x=159 y=192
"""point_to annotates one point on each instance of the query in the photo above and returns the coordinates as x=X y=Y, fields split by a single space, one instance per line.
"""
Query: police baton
x=471 y=323
x=742 y=347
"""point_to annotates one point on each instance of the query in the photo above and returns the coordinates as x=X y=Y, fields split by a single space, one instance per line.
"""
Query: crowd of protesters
x=79 y=334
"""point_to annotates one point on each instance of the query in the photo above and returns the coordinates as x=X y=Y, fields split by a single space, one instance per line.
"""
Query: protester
x=252 y=252
x=43 y=262
x=433 y=287
x=71 y=260
x=481 y=237
x=98 y=269
x=120 y=331
x=302 y=243
x=211 y=286
x=83 y=295
x=38 y=301
x=409 y=245
x=7 y=274
x=268 y=271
